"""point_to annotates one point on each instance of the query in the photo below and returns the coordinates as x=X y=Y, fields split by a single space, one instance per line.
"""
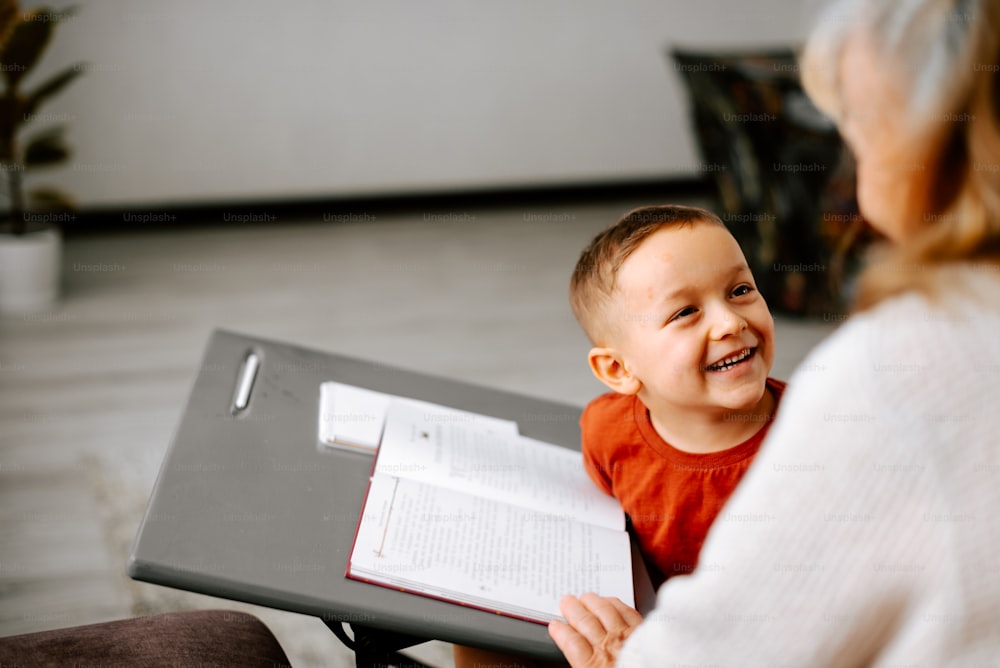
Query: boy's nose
x=727 y=322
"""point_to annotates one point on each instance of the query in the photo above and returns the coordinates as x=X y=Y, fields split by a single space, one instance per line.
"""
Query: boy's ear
x=610 y=369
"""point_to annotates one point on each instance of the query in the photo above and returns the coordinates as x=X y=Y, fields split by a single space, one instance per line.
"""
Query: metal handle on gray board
x=244 y=383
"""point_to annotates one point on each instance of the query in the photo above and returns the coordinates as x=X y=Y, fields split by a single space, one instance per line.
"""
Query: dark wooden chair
x=191 y=638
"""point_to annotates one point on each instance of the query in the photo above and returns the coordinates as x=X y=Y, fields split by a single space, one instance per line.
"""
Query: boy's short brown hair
x=594 y=279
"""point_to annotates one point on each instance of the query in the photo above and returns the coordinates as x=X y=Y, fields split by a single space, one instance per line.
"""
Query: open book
x=462 y=508
x=352 y=418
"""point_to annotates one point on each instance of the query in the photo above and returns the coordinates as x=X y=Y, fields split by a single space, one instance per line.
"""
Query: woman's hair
x=592 y=285
x=943 y=58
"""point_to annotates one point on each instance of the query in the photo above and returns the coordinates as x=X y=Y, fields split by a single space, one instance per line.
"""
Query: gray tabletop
x=252 y=508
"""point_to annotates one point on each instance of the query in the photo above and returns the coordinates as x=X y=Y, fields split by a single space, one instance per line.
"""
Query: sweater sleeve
x=823 y=555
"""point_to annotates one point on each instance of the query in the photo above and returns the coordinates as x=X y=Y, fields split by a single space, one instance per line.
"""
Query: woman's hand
x=596 y=629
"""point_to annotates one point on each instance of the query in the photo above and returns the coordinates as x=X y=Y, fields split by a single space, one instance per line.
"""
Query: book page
x=490 y=555
x=445 y=448
x=353 y=417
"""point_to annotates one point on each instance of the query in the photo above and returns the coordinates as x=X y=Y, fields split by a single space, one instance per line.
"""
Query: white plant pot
x=30 y=268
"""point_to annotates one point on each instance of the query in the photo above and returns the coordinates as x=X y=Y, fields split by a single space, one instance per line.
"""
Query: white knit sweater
x=867 y=531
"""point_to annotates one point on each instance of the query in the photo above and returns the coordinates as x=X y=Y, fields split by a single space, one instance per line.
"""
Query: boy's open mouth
x=733 y=360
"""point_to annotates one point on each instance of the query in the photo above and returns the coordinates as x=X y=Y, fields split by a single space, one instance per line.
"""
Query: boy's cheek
x=765 y=329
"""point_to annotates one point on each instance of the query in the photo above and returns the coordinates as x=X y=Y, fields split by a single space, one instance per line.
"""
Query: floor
x=91 y=391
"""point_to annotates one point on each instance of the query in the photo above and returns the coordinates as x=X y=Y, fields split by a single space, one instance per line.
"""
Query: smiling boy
x=685 y=342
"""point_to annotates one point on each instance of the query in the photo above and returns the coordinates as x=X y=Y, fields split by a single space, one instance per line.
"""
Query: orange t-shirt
x=671 y=496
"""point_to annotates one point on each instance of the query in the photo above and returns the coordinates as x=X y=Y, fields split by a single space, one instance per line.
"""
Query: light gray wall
x=199 y=102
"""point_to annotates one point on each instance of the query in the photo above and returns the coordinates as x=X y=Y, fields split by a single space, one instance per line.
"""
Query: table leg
x=376 y=648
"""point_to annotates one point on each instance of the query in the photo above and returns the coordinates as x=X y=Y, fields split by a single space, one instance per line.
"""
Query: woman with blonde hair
x=867 y=531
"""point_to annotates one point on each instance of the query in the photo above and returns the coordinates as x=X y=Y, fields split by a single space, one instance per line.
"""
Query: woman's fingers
x=628 y=613
x=615 y=617
x=575 y=648
x=595 y=630
x=581 y=617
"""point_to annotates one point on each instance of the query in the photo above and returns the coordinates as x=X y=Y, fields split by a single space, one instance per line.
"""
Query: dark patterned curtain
x=785 y=183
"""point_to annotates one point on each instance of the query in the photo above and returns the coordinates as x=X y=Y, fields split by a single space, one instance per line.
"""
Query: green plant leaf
x=46 y=148
x=51 y=86
x=50 y=199
x=27 y=42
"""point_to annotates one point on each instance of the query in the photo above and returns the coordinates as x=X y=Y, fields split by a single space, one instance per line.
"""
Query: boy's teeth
x=729 y=361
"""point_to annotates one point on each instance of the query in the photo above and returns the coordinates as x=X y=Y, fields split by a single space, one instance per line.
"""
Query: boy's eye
x=741 y=290
x=684 y=312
